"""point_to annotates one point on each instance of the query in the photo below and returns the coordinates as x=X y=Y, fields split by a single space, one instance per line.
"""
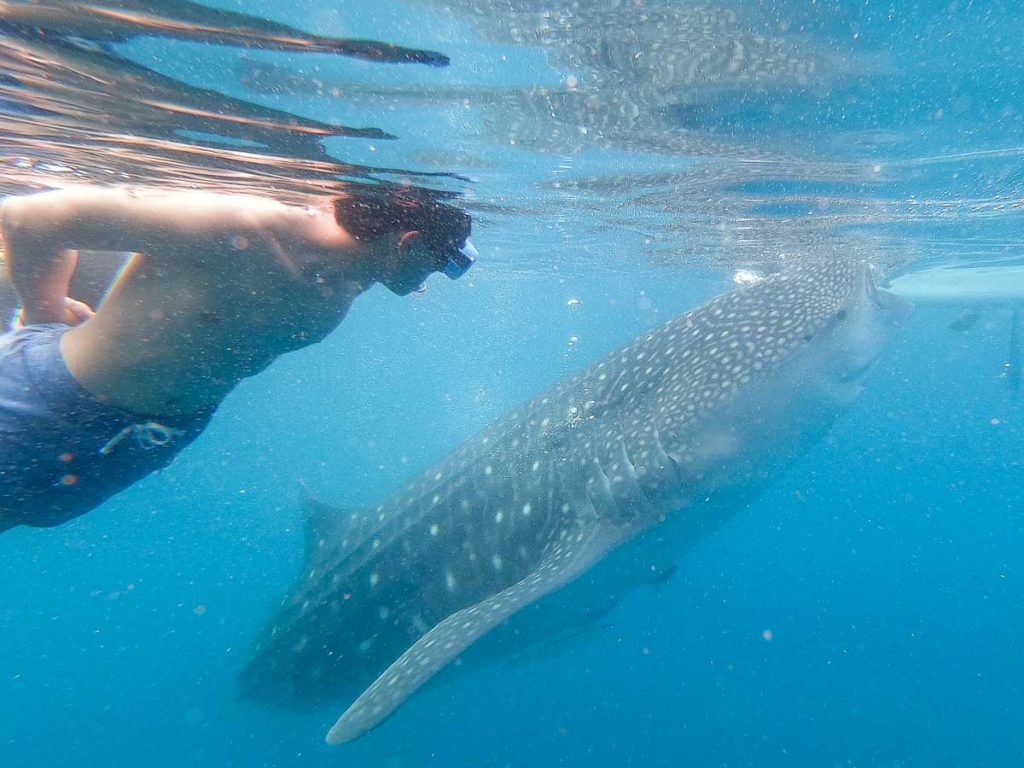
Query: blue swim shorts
x=62 y=451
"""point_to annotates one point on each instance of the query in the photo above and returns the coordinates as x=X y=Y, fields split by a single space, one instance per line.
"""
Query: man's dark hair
x=368 y=212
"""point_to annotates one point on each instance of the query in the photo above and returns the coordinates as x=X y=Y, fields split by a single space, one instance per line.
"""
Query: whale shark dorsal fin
x=324 y=523
x=440 y=645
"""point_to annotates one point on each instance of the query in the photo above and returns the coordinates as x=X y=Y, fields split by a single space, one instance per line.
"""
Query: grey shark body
x=620 y=467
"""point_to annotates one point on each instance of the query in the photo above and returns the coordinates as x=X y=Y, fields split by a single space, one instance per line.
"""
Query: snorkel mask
x=459 y=262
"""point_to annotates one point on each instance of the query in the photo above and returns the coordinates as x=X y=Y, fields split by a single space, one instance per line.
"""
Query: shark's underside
x=668 y=431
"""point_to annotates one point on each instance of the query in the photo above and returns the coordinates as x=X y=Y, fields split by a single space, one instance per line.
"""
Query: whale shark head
x=731 y=389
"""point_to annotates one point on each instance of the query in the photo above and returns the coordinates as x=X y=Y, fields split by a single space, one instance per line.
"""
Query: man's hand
x=71 y=312
x=77 y=311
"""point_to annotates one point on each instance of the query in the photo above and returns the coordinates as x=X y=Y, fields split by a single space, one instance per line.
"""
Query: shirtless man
x=219 y=286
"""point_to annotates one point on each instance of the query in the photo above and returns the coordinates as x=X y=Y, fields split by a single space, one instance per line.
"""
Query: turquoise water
x=865 y=610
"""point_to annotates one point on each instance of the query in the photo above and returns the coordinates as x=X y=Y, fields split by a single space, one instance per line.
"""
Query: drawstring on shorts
x=148 y=435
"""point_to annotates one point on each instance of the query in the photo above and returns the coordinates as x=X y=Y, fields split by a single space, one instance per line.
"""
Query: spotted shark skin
x=663 y=435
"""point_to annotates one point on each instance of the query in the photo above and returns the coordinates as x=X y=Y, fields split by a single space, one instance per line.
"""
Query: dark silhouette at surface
x=72 y=103
x=115 y=22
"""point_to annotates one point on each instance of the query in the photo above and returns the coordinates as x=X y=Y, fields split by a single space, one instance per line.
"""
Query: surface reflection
x=71 y=105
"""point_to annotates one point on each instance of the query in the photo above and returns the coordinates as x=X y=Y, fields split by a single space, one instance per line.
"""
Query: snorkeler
x=219 y=286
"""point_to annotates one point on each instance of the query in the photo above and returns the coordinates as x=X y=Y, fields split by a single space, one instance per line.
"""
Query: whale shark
x=545 y=520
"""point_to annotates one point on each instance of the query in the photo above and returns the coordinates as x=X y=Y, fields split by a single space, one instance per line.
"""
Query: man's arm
x=42 y=233
x=106 y=219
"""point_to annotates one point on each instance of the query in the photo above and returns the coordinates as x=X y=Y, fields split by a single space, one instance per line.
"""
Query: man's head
x=415 y=232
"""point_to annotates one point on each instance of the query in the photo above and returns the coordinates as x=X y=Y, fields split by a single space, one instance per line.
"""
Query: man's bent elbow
x=20 y=217
x=9 y=216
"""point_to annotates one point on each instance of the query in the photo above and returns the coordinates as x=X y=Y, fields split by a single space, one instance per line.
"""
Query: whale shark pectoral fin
x=434 y=650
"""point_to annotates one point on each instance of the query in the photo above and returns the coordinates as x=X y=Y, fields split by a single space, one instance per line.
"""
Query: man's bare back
x=218 y=287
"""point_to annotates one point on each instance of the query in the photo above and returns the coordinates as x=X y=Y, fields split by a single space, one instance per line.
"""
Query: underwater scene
x=704 y=446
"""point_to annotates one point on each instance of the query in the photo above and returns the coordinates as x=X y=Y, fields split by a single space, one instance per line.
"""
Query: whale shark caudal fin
x=566 y=560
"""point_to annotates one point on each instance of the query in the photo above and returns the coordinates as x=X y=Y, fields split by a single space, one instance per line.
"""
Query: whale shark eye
x=841 y=315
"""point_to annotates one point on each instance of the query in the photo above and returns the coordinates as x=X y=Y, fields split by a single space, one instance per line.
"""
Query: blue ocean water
x=864 y=611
